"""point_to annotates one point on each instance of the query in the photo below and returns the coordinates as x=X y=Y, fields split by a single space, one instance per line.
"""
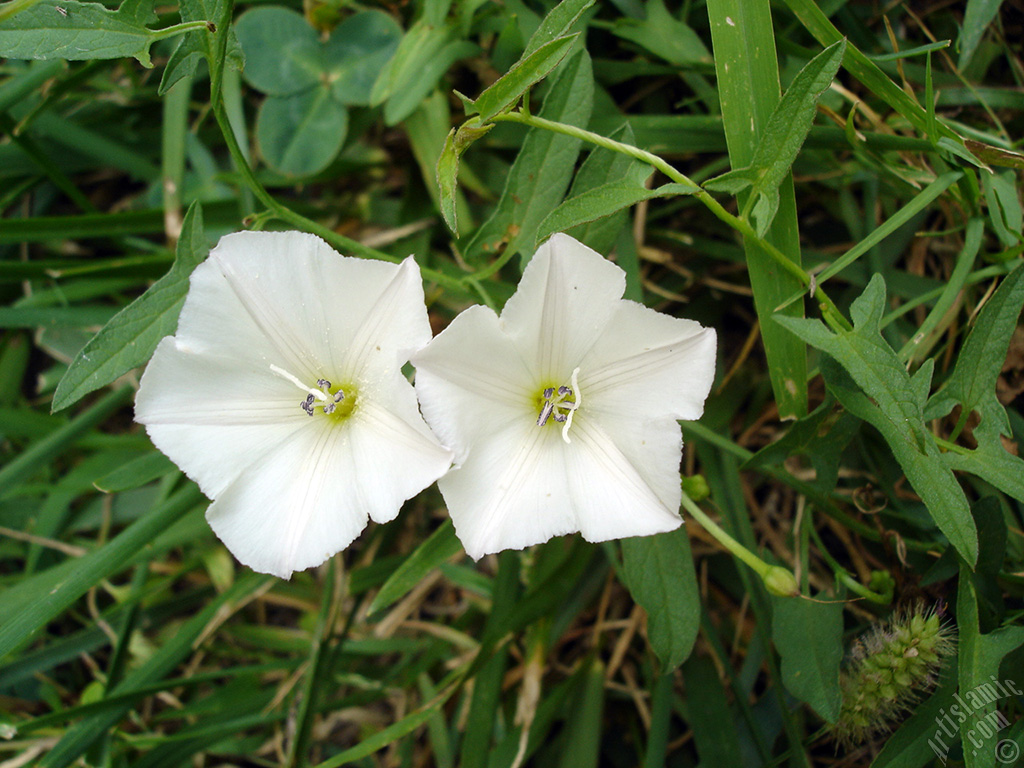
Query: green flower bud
x=780 y=582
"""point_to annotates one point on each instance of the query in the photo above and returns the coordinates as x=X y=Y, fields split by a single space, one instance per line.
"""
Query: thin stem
x=845 y=577
x=778 y=580
x=828 y=308
x=283 y=213
x=491 y=268
x=178 y=29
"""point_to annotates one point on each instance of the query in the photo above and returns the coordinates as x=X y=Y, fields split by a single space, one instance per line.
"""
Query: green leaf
x=439 y=547
x=665 y=36
x=603 y=201
x=749 y=91
x=355 y=53
x=557 y=23
x=128 y=340
x=448 y=182
x=283 y=55
x=507 y=89
x=820 y=437
x=69 y=29
x=977 y=17
x=541 y=172
x=787 y=128
x=732 y=182
x=1004 y=209
x=972 y=386
x=581 y=747
x=890 y=400
x=710 y=716
x=300 y=135
x=456 y=142
x=140 y=471
x=809 y=638
x=423 y=56
x=659 y=574
x=979 y=659
x=40 y=598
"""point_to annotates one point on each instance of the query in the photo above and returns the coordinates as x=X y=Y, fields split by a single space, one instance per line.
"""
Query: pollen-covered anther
x=559 y=404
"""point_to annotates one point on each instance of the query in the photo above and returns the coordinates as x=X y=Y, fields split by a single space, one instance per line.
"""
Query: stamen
x=307 y=405
x=545 y=411
x=328 y=401
x=558 y=406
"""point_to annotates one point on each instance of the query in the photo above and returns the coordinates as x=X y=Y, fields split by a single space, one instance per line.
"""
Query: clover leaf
x=309 y=82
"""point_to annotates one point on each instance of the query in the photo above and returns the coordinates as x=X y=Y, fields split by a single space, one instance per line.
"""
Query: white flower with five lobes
x=282 y=396
x=562 y=411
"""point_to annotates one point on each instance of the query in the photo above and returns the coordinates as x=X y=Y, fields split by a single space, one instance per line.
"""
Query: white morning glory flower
x=562 y=411
x=282 y=396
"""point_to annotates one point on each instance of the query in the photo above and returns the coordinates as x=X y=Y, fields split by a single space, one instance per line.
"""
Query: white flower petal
x=288 y=298
x=471 y=381
x=648 y=364
x=394 y=318
x=563 y=305
x=266 y=316
x=610 y=376
x=511 y=492
x=312 y=492
x=393 y=455
x=214 y=417
x=612 y=489
x=293 y=508
x=253 y=301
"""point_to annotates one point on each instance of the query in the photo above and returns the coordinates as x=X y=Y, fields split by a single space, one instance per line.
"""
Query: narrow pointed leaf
x=877 y=389
x=507 y=90
x=128 y=340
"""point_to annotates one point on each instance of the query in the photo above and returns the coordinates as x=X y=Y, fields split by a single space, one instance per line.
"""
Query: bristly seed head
x=888 y=669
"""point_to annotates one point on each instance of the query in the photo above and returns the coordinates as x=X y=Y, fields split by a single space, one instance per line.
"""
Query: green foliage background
x=835 y=187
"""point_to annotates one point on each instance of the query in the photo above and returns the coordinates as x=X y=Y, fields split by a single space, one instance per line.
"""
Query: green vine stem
x=847 y=579
x=777 y=580
x=829 y=311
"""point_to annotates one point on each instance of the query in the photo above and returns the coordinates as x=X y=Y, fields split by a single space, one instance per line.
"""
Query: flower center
x=335 y=402
x=560 y=403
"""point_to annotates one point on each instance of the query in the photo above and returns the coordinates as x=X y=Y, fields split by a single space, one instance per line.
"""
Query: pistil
x=560 y=404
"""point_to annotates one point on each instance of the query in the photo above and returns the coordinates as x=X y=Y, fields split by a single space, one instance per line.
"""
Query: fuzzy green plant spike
x=888 y=670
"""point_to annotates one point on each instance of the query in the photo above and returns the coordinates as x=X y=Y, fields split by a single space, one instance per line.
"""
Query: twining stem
x=828 y=308
x=845 y=577
x=778 y=580
x=284 y=213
